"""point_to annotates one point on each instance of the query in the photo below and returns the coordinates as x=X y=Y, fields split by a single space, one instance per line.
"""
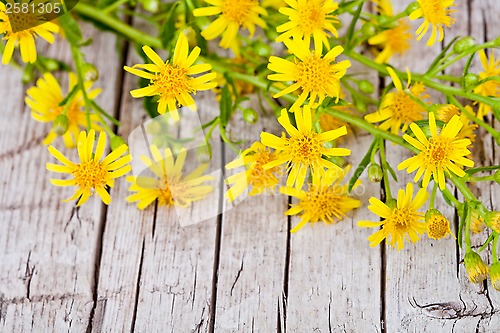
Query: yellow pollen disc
x=405 y=109
x=172 y=80
x=165 y=197
x=311 y=17
x=437 y=152
x=90 y=174
x=438 y=227
x=237 y=10
x=314 y=74
x=322 y=202
x=259 y=176
x=73 y=113
x=401 y=218
x=305 y=148
x=433 y=11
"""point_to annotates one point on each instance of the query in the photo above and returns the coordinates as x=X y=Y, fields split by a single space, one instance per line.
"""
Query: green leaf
x=362 y=166
x=226 y=105
x=71 y=29
x=167 y=31
x=70 y=95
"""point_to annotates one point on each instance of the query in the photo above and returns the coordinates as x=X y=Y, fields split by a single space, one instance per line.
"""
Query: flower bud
x=437 y=225
x=117 y=142
x=497 y=176
x=492 y=220
x=365 y=86
x=476 y=269
x=495 y=275
x=375 y=173
x=412 y=7
x=151 y=6
x=90 y=72
x=28 y=74
x=360 y=105
x=369 y=29
x=250 y=116
x=262 y=49
x=476 y=223
x=471 y=80
x=464 y=44
x=50 y=65
x=384 y=20
x=61 y=125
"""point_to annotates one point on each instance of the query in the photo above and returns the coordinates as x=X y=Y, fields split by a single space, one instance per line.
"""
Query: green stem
x=383 y=162
x=433 y=196
x=481 y=169
x=468 y=247
x=113 y=6
x=77 y=58
x=481 y=179
x=494 y=246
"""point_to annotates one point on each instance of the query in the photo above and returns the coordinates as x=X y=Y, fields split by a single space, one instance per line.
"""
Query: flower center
x=437 y=152
x=406 y=109
x=90 y=174
x=322 y=203
x=305 y=148
x=260 y=177
x=172 y=80
x=315 y=73
x=401 y=218
x=399 y=37
x=237 y=10
x=437 y=227
x=22 y=21
x=311 y=16
x=434 y=12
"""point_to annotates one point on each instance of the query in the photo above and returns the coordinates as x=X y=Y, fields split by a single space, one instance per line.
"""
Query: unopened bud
x=497 y=176
x=369 y=29
x=28 y=74
x=90 y=72
x=495 y=275
x=412 y=7
x=471 y=80
x=365 y=86
x=476 y=269
x=262 y=49
x=151 y=6
x=117 y=142
x=492 y=220
x=464 y=44
x=250 y=116
x=375 y=173
x=360 y=105
x=61 y=125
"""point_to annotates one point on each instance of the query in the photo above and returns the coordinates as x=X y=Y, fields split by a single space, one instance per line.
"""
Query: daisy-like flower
x=309 y=18
x=233 y=14
x=491 y=68
x=315 y=75
x=92 y=175
x=173 y=81
x=22 y=29
x=438 y=154
x=399 y=108
x=447 y=111
x=391 y=41
x=44 y=99
x=304 y=149
x=437 y=225
x=436 y=14
x=260 y=179
x=325 y=199
x=168 y=185
x=403 y=222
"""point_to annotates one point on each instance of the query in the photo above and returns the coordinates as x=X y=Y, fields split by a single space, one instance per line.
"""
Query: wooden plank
x=253 y=247
x=47 y=262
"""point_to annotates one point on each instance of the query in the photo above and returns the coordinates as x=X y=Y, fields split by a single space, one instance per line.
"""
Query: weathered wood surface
x=114 y=269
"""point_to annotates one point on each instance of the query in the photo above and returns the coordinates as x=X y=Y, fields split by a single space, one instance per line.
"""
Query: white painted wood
x=48 y=247
x=253 y=247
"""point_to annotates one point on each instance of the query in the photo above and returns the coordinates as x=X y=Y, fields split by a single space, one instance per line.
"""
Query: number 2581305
x=26 y=8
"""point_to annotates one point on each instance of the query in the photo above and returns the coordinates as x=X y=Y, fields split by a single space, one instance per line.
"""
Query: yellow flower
x=401 y=222
x=44 y=99
x=91 y=175
x=22 y=29
x=325 y=200
x=492 y=220
x=304 y=149
x=260 y=179
x=399 y=108
x=441 y=152
x=233 y=14
x=489 y=88
x=476 y=269
x=309 y=18
x=438 y=226
x=312 y=73
x=447 y=111
x=173 y=82
x=392 y=41
x=169 y=185
x=436 y=13
x=477 y=224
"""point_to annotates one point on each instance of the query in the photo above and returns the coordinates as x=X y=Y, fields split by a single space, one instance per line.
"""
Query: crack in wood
x=137 y=288
x=237 y=277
